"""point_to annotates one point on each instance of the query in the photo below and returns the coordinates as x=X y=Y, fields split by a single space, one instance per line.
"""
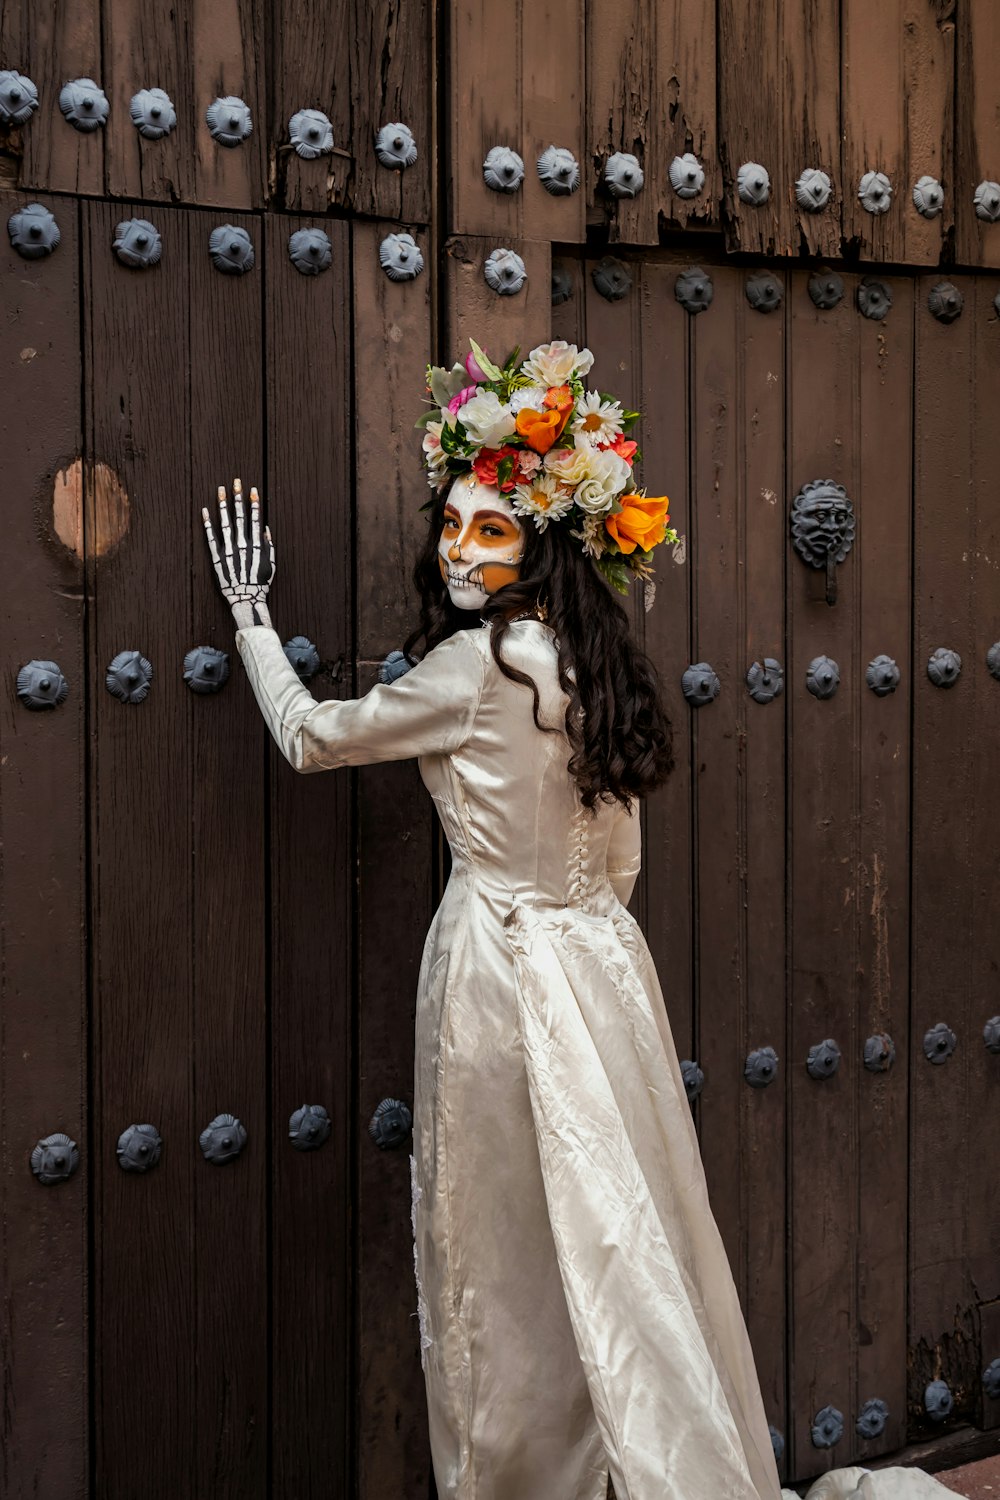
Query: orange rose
x=641 y=522
x=540 y=429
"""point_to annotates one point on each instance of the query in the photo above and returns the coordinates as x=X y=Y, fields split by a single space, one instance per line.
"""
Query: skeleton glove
x=246 y=568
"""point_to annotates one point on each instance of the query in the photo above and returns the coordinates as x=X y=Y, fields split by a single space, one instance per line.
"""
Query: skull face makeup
x=481 y=543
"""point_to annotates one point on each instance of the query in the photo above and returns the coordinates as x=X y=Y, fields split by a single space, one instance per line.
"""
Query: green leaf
x=629 y=419
x=487 y=366
x=505 y=469
x=615 y=571
x=432 y=414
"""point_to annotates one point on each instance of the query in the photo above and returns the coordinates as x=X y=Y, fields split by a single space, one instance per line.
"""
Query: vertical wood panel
x=957 y=605
x=229 y=56
x=51 y=44
x=928 y=47
x=43 y=996
x=472 y=308
x=621 y=88
x=310 y=69
x=873 y=118
x=392 y=346
x=810 y=91
x=517 y=79
x=823 y=811
x=685 y=110
x=150 y=47
x=749 y=56
x=227 y=806
x=977 y=129
x=309 y=506
x=142 y=918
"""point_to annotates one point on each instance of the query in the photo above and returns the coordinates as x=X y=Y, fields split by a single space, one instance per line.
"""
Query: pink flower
x=466 y=394
x=473 y=370
x=529 y=463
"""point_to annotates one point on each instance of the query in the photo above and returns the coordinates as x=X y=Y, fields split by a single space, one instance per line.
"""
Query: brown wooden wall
x=188 y=928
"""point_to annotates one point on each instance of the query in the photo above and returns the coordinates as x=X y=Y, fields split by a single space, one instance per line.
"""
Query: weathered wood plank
x=150 y=47
x=308 y=501
x=977 y=130
x=229 y=57
x=393 y=80
x=822 y=851
x=396 y=891
x=928 y=60
x=621 y=84
x=749 y=129
x=473 y=309
x=873 y=116
x=52 y=44
x=684 y=105
x=810 y=135
x=516 y=79
x=224 y=737
x=142 y=919
x=43 y=980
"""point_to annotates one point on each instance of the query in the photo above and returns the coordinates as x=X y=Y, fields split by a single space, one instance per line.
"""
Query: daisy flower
x=544 y=500
x=597 y=420
x=592 y=535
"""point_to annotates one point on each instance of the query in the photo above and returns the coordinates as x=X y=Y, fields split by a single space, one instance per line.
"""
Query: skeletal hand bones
x=245 y=571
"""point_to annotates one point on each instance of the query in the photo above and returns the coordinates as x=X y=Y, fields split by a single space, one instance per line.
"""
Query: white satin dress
x=577 y=1311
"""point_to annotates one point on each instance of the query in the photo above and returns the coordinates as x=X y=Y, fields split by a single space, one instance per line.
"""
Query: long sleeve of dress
x=625 y=853
x=430 y=710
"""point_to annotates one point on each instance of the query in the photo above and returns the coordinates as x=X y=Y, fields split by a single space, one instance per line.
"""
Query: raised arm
x=625 y=853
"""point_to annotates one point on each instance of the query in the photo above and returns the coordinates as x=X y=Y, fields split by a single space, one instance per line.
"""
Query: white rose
x=487 y=420
x=532 y=396
x=608 y=476
x=570 y=465
x=556 y=363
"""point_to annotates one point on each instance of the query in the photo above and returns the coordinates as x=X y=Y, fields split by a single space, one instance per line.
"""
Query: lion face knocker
x=823 y=528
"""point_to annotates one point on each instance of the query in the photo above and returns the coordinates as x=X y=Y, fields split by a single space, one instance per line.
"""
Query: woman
x=577 y=1312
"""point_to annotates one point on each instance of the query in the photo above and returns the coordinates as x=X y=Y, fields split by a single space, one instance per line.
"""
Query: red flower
x=623 y=446
x=487 y=463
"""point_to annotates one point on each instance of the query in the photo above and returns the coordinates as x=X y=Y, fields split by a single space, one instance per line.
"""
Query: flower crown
x=559 y=452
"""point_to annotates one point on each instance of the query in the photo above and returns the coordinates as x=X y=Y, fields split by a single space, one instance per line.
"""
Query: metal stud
x=18 y=97
x=310 y=251
x=393 y=667
x=944 y=667
x=623 y=176
x=938 y=1400
x=153 y=113
x=562 y=283
x=760 y=1067
x=764 y=292
x=129 y=676
x=991 y=1379
x=612 y=278
x=753 y=183
x=85 y=104
x=822 y=677
x=694 y=1079
x=827 y=1427
x=395 y=146
x=991 y=1034
x=987 y=201
x=687 y=176
x=400 y=257
x=229 y=121
x=231 y=249
x=222 y=1140
x=993 y=657
x=882 y=676
x=505 y=272
x=693 y=289
x=40 y=684
x=777 y=1442
x=33 y=231
x=875 y=192
x=559 y=170
x=812 y=190
x=206 y=669
x=303 y=656
x=945 y=301
x=826 y=288
x=928 y=197
x=874 y=298
x=311 y=133
x=822 y=525
x=391 y=1124
x=699 y=684
x=309 y=1127
x=939 y=1043
x=503 y=169
x=139 y=1148
x=872 y=1418
x=880 y=1052
x=137 y=243
x=55 y=1158
x=765 y=681
x=823 y=1060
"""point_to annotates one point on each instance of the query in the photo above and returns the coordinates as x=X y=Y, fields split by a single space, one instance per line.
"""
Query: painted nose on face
x=455 y=551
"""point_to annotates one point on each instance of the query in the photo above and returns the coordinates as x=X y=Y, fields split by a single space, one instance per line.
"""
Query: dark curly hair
x=622 y=744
